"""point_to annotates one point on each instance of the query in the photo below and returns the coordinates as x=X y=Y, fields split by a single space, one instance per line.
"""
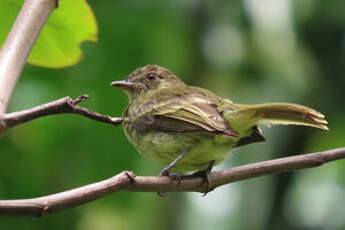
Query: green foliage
x=59 y=42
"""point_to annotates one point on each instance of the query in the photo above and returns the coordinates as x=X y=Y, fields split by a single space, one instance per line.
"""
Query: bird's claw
x=175 y=176
x=205 y=174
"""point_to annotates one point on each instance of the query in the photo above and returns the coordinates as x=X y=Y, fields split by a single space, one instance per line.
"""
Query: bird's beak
x=124 y=84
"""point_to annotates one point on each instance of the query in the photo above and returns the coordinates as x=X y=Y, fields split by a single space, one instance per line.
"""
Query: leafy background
x=249 y=51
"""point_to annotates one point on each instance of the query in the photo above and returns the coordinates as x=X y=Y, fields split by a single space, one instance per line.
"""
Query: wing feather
x=192 y=112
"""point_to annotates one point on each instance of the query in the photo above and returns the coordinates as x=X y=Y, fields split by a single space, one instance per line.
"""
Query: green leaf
x=59 y=42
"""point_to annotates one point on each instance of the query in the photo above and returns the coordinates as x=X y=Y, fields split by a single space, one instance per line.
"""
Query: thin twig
x=60 y=106
x=128 y=181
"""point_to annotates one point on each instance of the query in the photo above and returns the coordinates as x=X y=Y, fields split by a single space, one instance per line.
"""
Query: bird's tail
x=278 y=113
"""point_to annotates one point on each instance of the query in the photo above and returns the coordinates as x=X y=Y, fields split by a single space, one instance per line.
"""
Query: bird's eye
x=151 y=76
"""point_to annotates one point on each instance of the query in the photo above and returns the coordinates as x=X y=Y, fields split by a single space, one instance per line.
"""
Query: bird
x=189 y=128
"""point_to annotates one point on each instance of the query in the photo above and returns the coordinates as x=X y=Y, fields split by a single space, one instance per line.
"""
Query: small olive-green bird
x=188 y=128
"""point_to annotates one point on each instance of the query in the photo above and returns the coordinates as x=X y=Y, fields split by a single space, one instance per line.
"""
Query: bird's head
x=148 y=79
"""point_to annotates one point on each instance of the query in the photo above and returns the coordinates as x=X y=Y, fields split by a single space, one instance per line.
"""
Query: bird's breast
x=164 y=147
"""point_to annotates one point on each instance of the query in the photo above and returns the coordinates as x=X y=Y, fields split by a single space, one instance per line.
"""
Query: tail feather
x=285 y=114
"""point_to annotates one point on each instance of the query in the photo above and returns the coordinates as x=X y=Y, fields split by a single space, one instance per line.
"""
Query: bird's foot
x=177 y=177
x=173 y=175
x=205 y=174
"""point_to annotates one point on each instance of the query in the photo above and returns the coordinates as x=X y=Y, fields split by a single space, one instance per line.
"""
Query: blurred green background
x=248 y=51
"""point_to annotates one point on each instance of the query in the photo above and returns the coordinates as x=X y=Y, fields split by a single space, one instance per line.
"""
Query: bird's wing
x=191 y=112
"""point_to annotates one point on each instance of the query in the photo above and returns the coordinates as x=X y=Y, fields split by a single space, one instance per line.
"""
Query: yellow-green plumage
x=166 y=117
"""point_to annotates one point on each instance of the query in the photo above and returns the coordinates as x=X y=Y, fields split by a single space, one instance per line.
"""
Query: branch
x=128 y=181
x=60 y=106
x=18 y=44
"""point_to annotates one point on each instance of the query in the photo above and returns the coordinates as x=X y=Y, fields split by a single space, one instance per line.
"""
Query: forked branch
x=60 y=106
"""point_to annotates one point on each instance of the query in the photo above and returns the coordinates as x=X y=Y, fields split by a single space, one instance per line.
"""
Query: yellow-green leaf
x=59 y=42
